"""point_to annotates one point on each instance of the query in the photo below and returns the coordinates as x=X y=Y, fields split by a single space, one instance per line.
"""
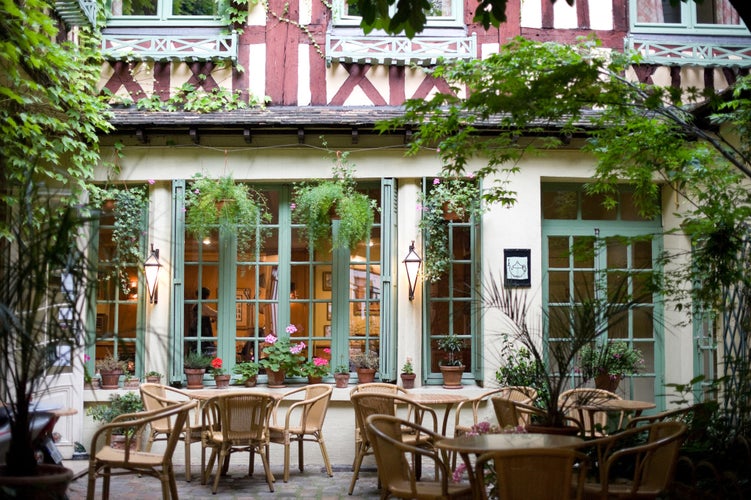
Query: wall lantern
x=151 y=269
x=412 y=262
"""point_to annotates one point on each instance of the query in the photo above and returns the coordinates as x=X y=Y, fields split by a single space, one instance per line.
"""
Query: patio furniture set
x=401 y=430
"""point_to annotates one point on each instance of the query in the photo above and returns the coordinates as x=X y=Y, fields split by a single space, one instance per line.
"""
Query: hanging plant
x=127 y=205
x=446 y=200
x=223 y=203
x=318 y=202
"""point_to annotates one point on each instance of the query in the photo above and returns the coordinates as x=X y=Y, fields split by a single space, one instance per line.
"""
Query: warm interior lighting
x=412 y=262
x=151 y=269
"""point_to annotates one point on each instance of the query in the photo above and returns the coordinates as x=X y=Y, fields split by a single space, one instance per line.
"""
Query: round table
x=428 y=399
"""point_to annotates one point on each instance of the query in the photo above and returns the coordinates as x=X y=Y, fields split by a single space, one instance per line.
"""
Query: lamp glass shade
x=412 y=263
x=151 y=270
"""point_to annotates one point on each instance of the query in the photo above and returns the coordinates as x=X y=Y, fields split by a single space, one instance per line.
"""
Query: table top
x=496 y=442
x=427 y=398
x=206 y=394
x=619 y=405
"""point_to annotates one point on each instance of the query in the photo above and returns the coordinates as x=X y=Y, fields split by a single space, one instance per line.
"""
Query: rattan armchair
x=394 y=458
x=130 y=459
x=595 y=422
x=235 y=422
x=522 y=394
x=543 y=473
x=636 y=471
x=374 y=403
x=156 y=396
x=302 y=422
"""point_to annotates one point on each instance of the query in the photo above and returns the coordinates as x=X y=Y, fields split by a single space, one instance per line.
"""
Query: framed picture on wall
x=516 y=267
x=326 y=281
x=327 y=330
x=328 y=311
x=241 y=310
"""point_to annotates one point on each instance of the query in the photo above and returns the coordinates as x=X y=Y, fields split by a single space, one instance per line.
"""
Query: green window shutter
x=389 y=266
x=177 y=319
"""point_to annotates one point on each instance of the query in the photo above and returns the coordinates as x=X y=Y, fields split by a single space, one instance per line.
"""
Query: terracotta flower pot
x=153 y=379
x=365 y=375
x=110 y=379
x=452 y=376
x=341 y=380
x=607 y=382
x=276 y=379
x=194 y=377
x=222 y=381
x=51 y=482
x=408 y=380
x=251 y=381
x=314 y=380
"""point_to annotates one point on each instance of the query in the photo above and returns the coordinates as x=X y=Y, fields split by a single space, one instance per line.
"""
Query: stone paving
x=313 y=483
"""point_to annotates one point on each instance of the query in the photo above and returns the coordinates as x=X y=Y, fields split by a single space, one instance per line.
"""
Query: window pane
x=716 y=12
x=642 y=258
x=440 y=8
x=559 y=204
x=617 y=253
x=194 y=7
x=558 y=255
x=594 y=209
x=657 y=11
x=133 y=7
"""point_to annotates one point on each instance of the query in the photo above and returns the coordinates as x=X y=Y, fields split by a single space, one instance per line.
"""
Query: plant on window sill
x=457 y=196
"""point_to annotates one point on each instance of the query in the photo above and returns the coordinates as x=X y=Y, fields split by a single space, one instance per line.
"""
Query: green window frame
x=587 y=248
x=443 y=14
x=451 y=303
x=710 y=17
x=158 y=12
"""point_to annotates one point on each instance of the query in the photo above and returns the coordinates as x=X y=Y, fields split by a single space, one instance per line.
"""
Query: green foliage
x=110 y=363
x=120 y=404
x=315 y=202
x=367 y=359
x=518 y=368
x=281 y=355
x=224 y=204
x=407 y=367
x=316 y=367
x=246 y=370
x=458 y=196
x=197 y=361
x=611 y=358
x=451 y=345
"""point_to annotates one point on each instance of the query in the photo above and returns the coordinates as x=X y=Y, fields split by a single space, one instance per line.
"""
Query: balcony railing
x=193 y=45
x=391 y=50
x=697 y=51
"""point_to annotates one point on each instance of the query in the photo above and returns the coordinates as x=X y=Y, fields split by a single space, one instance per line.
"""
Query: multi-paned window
x=442 y=13
x=154 y=12
x=706 y=17
x=590 y=253
x=234 y=299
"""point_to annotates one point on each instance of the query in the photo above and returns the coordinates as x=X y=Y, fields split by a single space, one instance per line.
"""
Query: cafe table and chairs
x=477 y=445
x=624 y=409
x=444 y=399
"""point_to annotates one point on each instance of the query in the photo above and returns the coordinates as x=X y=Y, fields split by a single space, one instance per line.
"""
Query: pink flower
x=459 y=472
x=327 y=350
x=151 y=181
x=290 y=329
x=270 y=339
x=86 y=357
x=420 y=207
x=292 y=206
x=320 y=361
x=436 y=181
x=297 y=349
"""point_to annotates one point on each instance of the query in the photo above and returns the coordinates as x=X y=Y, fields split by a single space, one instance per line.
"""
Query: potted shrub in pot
x=153 y=377
x=110 y=368
x=281 y=357
x=248 y=372
x=195 y=366
x=221 y=378
x=341 y=376
x=316 y=204
x=366 y=364
x=408 y=374
x=451 y=366
x=222 y=203
x=130 y=402
x=608 y=362
x=316 y=369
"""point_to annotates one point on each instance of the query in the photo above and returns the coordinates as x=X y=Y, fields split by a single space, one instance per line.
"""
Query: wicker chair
x=544 y=473
x=155 y=396
x=130 y=459
x=303 y=421
x=522 y=394
x=595 y=422
x=643 y=470
x=394 y=458
x=232 y=423
x=375 y=403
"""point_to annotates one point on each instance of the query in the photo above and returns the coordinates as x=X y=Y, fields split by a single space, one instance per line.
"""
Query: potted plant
x=131 y=382
x=451 y=366
x=408 y=374
x=608 y=362
x=127 y=205
x=446 y=200
x=153 y=377
x=195 y=366
x=110 y=368
x=317 y=203
x=573 y=328
x=225 y=204
x=366 y=363
x=248 y=372
x=341 y=376
x=221 y=378
x=316 y=369
x=119 y=404
x=281 y=358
